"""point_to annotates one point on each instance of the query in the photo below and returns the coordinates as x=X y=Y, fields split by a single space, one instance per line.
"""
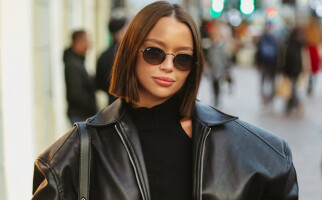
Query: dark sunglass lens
x=153 y=55
x=184 y=62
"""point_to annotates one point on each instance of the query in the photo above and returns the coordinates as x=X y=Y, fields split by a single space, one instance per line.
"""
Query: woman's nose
x=167 y=65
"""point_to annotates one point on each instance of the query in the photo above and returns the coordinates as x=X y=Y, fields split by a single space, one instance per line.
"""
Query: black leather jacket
x=231 y=160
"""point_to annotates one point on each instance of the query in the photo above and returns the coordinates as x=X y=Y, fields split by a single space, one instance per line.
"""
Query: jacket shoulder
x=265 y=139
x=56 y=169
x=244 y=133
x=59 y=150
x=210 y=116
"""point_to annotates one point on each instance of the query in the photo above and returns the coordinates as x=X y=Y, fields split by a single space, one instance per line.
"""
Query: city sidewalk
x=303 y=133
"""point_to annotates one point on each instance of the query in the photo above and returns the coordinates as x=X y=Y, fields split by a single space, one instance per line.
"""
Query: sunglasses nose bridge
x=171 y=54
x=167 y=63
x=171 y=59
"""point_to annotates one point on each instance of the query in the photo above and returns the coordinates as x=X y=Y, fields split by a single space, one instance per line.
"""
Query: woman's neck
x=148 y=102
x=156 y=116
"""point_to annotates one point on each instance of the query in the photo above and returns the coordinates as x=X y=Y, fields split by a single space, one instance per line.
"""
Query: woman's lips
x=163 y=81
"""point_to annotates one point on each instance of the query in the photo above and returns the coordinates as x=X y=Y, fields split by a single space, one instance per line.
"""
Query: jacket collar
x=210 y=116
x=206 y=115
x=111 y=114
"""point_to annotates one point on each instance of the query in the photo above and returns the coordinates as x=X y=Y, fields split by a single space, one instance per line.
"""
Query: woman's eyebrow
x=155 y=41
x=184 y=49
x=164 y=45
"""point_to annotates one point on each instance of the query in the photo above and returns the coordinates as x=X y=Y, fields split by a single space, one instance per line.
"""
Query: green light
x=214 y=14
x=218 y=5
x=247 y=6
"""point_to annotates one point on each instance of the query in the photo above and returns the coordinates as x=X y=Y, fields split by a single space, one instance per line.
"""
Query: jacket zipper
x=199 y=163
x=125 y=143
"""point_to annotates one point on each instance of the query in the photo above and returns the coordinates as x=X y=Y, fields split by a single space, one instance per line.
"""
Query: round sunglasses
x=156 y=56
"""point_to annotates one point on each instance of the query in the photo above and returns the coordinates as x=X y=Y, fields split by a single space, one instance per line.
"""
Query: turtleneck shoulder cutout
x=186 y=124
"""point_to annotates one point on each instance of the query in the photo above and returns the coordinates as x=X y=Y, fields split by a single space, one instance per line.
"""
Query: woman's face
x=157 y=83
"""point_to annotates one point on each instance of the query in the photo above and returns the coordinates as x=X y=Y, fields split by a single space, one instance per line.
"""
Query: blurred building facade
x=33 y=34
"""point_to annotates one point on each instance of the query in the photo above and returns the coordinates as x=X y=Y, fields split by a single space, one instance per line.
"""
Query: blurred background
x=280 y=91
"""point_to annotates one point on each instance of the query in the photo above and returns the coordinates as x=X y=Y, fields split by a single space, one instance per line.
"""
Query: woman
x=293 y=68
x=155 y=141
x=218 y=59
x=312 y=35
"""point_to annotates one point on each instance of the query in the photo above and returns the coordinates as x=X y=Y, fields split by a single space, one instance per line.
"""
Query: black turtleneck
x=167 y=150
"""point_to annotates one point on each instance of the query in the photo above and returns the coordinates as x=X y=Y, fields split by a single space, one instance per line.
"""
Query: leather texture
x=232 y=160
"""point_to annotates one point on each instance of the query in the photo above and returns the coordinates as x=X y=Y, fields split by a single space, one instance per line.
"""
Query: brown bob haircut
x=124 y=82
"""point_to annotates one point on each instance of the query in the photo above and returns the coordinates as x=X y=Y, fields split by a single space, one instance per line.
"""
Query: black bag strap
x=84 y=161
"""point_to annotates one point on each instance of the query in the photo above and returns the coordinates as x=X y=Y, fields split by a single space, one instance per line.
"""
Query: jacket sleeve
x=46 y=183
x=291 y=189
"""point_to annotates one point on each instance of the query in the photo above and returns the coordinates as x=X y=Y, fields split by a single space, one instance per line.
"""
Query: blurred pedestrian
x=218 y=60
x=293 y=67
x=266 y=59
x=80 y=86
x=156 y=141
x=206 y=41
x=313 y=39
x=117 y=27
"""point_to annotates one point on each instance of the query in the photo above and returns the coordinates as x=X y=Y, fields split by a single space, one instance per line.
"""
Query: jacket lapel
x=134 y=144
x=116 y=114
x=204 y=119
